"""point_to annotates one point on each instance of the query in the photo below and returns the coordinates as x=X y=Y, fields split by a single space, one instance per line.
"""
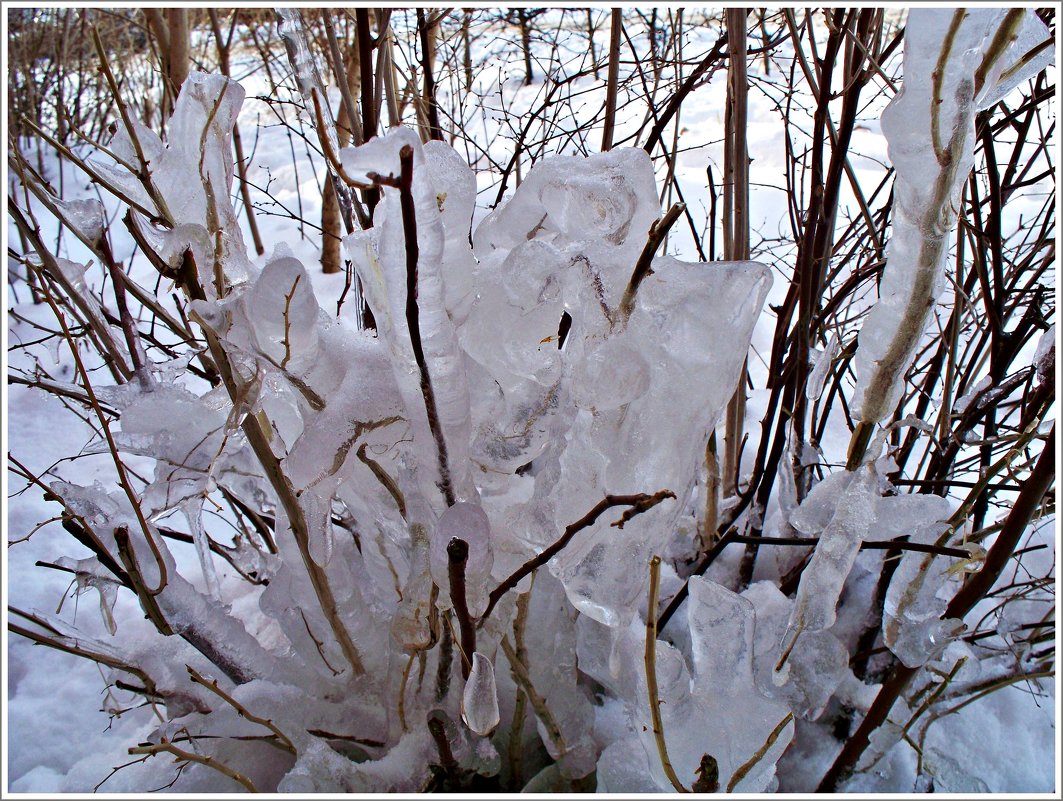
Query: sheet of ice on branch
x=622 y=404
x=919 y=592
x=191 y=176
x=845 y=509
x=710 y=706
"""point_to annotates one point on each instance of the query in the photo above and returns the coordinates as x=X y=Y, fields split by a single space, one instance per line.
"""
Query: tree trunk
x=177 y=19
x=172 y=39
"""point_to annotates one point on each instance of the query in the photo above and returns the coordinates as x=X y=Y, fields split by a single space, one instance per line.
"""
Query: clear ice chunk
x=479 y=701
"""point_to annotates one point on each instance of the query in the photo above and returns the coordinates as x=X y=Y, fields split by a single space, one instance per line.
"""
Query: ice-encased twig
x=955 y=62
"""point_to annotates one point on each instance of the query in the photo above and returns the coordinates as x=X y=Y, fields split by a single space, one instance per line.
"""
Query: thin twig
x=658 y=231
x=651 y=676
x=382 y=476
x=241 y=710
x=746 y=767
x=522 y=678
x=190 y=756
x=640 y=503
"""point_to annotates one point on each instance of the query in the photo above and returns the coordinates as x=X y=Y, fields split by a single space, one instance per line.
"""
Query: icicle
x=824 y=359
x=479 y=703
x=193 y=510
x=90 y=574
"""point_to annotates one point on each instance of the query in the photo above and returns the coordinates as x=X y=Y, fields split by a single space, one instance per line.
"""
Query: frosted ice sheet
x=818 y=663
x=921 y=587
x=839 y=543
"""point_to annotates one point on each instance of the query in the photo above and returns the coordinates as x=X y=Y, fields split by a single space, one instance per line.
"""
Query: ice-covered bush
x=466 y=535
x=465 y=442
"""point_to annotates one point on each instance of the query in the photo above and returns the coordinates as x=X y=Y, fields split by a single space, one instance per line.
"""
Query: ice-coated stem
x=112 y=447
x=924 y=223
x=651 y=676
x=142 y=172
x=413 y=318
x=274 y=472
x=522 y=678
x=457 y=558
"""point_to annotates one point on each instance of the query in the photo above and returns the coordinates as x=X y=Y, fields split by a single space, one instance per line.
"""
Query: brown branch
x=382 y=476
x=615 y=25
x=426 y=32
x=341 y=78
x=241 y=710
x=330 y=157
x=658 y=231
x=640 y=503
x=364 y=41
x=168 y=747
x=77 y=649
x=688 y=86
x=458 y=558
x=137 y=583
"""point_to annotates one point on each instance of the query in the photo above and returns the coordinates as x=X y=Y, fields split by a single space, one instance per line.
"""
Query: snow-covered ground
x=66 y=731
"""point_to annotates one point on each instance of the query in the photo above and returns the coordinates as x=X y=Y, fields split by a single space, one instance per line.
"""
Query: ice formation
x=954 y=65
